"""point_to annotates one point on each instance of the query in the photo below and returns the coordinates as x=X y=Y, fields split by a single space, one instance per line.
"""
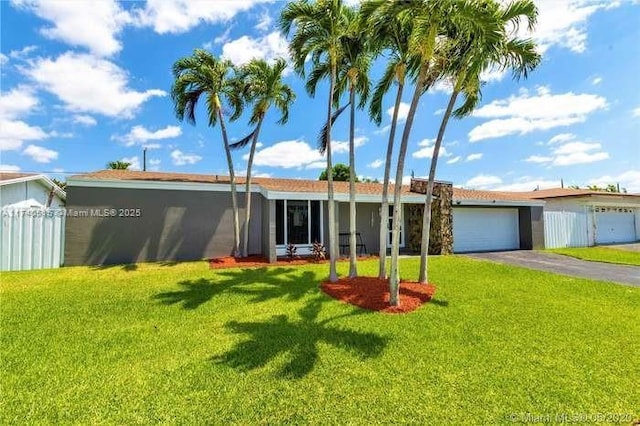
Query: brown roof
x=474 y=194
x=570 y=192
x=10 y=175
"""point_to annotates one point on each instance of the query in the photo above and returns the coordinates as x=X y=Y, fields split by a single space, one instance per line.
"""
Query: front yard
x=180 y=343
x=601 y=254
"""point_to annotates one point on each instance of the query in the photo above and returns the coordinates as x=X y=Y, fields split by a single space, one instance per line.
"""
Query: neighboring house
x=581 y=217
x=27 y=190
x=122 y=216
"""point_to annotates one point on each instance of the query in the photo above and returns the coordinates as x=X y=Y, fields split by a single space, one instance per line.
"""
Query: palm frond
x=244 y=141
x=324 y=132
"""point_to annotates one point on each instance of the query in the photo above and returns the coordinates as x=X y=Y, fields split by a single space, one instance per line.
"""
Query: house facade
x=121 y=216
x=581 y=217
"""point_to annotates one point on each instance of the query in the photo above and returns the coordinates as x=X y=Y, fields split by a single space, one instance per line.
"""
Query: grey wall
x=173 y=225
x=269 y=229
x=531 y=223
x=367 y=228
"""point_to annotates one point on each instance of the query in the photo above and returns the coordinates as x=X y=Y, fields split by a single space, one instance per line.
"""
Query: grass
x=601 y=254
x=180 y=343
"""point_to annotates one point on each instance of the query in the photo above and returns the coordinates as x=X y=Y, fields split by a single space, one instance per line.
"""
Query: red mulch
x=254 y=261
x=373 y=294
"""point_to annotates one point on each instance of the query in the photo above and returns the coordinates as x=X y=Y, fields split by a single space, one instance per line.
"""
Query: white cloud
x=564 y=23
x=180 y=159
x=474 y=157
x=492 y=75
x=527 y=183
x=89 y=84
x=40 y=154
x=538 y=159
x=454 y=160
x=629 y=180
x=562 y=137
x=439 y=111
x=316 y=165
x=17 y=102
x=264 y=22
x=386 y=128
x=85 y=120
x=339 y=147
x=22 y=53
x=403 y=111
x=596 y=80
x=14 y=132
x=269 y=47
x=179 y=16
x=376 y=163
x=427 y=150
x=9 y=168
x=526 y=113
x=570 y=152
x=636 y=112
x=482 y=181
x=3 y=59
x=134 y=162
x=288 y=154
x=89 y=24
x=154 y=164
x=138 y=135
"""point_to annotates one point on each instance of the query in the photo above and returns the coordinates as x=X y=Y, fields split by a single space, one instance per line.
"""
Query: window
x=298 y=222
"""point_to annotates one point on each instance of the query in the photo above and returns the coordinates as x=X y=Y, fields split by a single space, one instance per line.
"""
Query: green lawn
x=184 y=344
x=601 y=254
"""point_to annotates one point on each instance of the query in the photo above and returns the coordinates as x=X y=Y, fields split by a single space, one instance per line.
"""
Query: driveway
x=565 y=265
x=628 y=247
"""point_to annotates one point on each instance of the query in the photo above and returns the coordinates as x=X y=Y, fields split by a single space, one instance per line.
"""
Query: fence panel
x=31 y=239
x=565 y=229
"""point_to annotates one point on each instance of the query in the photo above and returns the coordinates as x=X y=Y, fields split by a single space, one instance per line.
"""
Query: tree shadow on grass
x=298 y=340
x=260 y=285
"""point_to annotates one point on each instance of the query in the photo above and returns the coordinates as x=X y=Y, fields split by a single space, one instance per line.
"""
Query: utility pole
x=144 y=159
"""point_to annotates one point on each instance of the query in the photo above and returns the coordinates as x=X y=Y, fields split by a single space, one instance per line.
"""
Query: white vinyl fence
x=31 y=239
x=565 y=229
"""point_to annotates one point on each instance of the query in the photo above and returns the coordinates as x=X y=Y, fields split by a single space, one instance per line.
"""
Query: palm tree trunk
x=247 y=211
x=394 y=279
x=353 y=267
x=232 y=181
x=426 y=218
x=333 y=249
x=384 y=207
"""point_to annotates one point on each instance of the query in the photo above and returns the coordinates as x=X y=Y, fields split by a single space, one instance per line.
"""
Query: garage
x=485 y=229
x=615 y=225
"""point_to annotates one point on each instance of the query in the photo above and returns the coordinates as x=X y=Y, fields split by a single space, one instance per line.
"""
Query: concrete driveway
x=628 y=247
x=565 y=265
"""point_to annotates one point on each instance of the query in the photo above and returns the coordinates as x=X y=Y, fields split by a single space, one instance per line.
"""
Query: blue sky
x=84 y=83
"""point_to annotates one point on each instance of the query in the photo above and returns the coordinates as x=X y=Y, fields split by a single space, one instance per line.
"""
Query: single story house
x=582 y=217
x=29 y=190
x=122 y=216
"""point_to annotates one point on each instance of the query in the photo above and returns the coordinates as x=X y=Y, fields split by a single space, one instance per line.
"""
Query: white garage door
x=485 y=229
x=615 y=225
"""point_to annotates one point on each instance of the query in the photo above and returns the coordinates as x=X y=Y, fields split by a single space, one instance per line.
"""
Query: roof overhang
x=497 y=203
x=43 y=179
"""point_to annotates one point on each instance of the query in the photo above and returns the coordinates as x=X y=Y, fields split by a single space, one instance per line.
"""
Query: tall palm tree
x=390 y=36
x=352 y=74
x=260 y=84
x=204 y=75
x=430 y=18
x=319 y=28
x=467 y=59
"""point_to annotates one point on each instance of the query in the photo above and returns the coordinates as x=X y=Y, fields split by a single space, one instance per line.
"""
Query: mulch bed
x=373 y=294
x=257 y=261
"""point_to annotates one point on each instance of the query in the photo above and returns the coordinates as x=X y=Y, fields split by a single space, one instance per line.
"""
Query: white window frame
x=389 y=233
x=302 y=249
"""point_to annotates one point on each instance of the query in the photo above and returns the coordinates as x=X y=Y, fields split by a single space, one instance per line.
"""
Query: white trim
x=167 y=185
x=502 y=203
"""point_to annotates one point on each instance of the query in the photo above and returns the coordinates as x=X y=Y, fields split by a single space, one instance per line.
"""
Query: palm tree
x=391 y=36
x=430 y=18
x=202 y=74
x=319 y=28
x=118 y=165
x=352 y=74
x=466 y=60
x=262 y=85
